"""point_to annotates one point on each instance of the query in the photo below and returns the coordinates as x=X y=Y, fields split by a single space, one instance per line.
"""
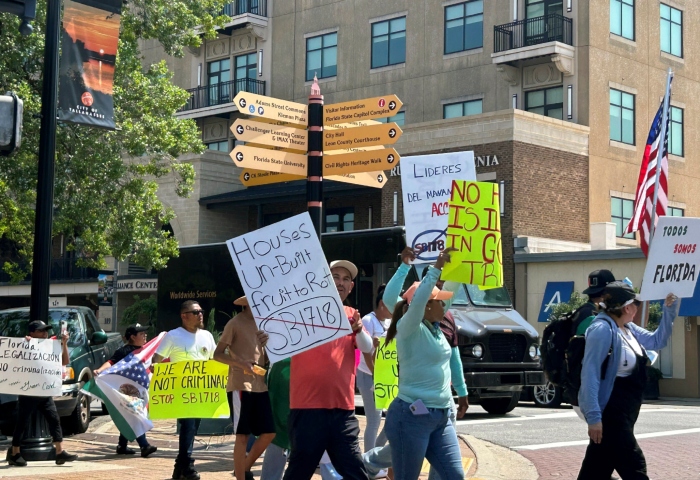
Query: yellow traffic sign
x=357 y=162
x=272 y=108
x=382 y=134
x=366 y=179
x=269 y=160
x=270 y=135
x=251 y=178
x=367 y=109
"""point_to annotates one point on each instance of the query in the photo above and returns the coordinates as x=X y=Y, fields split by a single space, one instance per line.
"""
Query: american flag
x=644 y=199
x=132 y=368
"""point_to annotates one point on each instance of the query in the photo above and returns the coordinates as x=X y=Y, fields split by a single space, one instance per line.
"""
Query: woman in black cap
x=612 y=382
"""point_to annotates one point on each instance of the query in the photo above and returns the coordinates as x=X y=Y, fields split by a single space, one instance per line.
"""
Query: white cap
x=349 y=266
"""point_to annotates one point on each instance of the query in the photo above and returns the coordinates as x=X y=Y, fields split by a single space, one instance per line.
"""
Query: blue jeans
x=273 y=463
x=365 y=383
x=414 y=437
x=453 y=418
x=143 y=443
x=188 y=430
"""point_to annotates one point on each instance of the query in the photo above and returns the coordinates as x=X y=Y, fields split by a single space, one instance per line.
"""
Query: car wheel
x=80 y=417
x=547 y=395
x=500 y=406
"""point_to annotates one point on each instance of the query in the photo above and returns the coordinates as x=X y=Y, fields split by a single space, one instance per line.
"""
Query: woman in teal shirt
x=417 y=423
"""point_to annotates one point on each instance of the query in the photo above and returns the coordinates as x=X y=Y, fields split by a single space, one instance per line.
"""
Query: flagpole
x=659 y=160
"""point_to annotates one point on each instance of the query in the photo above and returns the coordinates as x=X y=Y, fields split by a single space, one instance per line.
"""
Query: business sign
x=384 y=133
x=270 y=160
x=426 y=184
x=189 y=389
x=138 y=285
x=272 y=108
x=554 y=293
x=386 y=374
x=30 y=367
x=358 y=110
x=90 y=34
x=474 y=229
x=289 y=287
x=270 y=135
x=673 y=264
x=357 y=162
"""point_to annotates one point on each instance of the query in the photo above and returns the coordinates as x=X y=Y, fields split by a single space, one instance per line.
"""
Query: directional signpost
x=270 y=160
x=272 y=108
x=359 y=162
x=382 y=134
x=270 y=135
x=367 y=109
x=251 y=178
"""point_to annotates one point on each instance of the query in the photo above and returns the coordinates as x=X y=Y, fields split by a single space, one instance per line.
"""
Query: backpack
x=562 y=355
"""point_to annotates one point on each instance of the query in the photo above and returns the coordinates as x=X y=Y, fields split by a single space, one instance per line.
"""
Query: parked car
x=89 y=347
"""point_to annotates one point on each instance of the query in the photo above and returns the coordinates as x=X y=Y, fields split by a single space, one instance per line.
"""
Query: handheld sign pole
x=314 y=169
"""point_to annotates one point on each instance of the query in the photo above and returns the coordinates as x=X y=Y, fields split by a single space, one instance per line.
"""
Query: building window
x=218 y=78
x=246 y=67
x=675 y=212
x=464 y=26
x=221 y=146
x=548 y=102
x=340 y=219
x=621 y=116
x=322 y=56
x=622 y=18
x=389 y=42
x=675 y=134
x=622 y=210
x=399 y=119
x=671 y=30
x=462 y=109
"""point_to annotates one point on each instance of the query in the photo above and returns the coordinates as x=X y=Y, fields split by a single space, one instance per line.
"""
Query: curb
x=498 y=463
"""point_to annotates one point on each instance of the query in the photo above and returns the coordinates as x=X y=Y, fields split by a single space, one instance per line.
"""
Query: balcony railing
x=62 y=268
x=533 y=31
x=221 y=93
x=241 y=7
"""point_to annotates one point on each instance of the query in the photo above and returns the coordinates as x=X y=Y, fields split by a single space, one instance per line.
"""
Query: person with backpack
x=613 y=376
x=584 y=315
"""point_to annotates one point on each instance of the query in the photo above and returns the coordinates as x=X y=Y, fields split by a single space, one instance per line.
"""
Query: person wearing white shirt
x=188 y=342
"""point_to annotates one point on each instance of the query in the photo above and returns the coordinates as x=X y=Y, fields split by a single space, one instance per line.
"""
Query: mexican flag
x=123 y=388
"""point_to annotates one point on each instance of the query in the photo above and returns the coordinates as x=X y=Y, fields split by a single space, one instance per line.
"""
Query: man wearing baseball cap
x=322 y=396
x=597 y=280
x=46 y=405
x=136 y=337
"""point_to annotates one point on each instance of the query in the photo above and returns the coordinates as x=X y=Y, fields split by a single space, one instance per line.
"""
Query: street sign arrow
x=384 y=133
x=269 y=160
x=272 y=108
x=366 y=179
x=357 y=162
x=251 y=178
x=366 y=109
x=267 y=134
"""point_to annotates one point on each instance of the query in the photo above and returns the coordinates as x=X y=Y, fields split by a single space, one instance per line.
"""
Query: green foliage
x=655 y=314
x=211 y=325
x=561 y=309
x=142 y=307
x=106 y=181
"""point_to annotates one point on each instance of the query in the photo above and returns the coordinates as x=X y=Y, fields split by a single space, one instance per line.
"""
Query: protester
x=322 y=396
x=136 y=338
x=245 y=345
x=418 y=421
x=376 y=324
x=27 y=405
x=188 y=342
x=611 y=402
x=278 y=386
x=597 y=280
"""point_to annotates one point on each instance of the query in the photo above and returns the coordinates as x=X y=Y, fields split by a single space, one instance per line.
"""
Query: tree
x=105 y=199
x=564 y=308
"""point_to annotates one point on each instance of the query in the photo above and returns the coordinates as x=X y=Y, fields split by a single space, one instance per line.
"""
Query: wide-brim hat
x=347 y=265
x=437 y=294
x=241 y=301
x=597 y=280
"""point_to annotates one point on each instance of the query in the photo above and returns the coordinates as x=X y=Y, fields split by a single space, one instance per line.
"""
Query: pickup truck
x=89 y=347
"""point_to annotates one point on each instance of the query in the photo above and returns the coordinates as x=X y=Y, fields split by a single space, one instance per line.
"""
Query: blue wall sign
x=554 y=292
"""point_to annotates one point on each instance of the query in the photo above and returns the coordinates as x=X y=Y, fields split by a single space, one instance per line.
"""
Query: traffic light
x=11 y=111
x=24 y=9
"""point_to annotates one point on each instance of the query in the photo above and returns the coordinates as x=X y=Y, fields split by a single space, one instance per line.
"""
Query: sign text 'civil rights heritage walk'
x=358 y=162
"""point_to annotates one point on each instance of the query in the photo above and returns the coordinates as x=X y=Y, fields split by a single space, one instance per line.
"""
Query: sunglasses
x=195 y=312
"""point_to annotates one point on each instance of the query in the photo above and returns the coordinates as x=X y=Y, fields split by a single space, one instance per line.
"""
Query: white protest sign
x=426 y=181
x=31 y=367
x=289 y=287
x=674 y=259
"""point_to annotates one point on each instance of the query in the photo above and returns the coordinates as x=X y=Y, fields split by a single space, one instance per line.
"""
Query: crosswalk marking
x=585 y=442
x=466 y=464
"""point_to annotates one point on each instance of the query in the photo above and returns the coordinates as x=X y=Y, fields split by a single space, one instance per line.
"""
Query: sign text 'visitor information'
x=272 y=108
x=367 y=109
x=30 y=367
x=289 y=287
x=270 y=160
x=674 y=259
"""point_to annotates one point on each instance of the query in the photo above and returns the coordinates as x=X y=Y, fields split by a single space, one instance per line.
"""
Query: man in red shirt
x=322 y=396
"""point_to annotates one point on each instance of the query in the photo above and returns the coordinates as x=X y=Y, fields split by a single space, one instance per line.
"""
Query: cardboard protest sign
x=386 y=375
x=426 y=181
x=474 y=229
x=289 y=286
x=31 y=367
x=189 y=389
x=674 y=259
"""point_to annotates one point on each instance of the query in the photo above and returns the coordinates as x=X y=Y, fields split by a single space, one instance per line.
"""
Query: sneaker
x=16 y=460
x=190 y=474
x=177 y=473
x=382 y=473
x=146 y=451
x=64 y=457
x=125 y=450
x=249 y=475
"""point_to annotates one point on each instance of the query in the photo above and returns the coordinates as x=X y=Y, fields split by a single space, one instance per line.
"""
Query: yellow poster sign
x=474 y=229
x=190 y=389
x=386 y=374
